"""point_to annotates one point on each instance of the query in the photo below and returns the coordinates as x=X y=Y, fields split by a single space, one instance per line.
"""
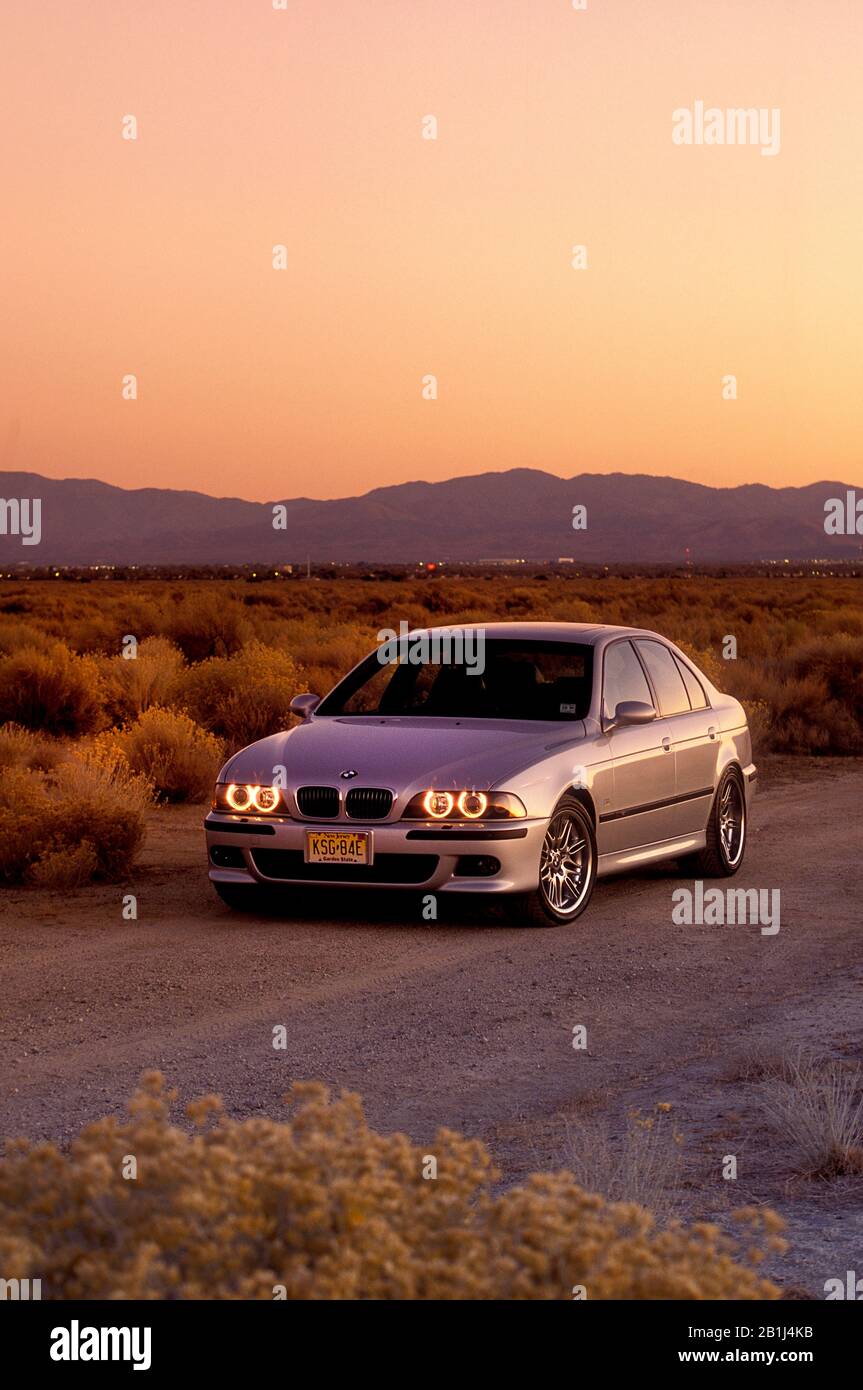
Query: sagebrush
x=320 y=1206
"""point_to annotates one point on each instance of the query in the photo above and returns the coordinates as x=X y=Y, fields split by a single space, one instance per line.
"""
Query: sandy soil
x=466 y=1022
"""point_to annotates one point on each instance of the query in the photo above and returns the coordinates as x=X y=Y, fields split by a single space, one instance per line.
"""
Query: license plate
x=338 y=847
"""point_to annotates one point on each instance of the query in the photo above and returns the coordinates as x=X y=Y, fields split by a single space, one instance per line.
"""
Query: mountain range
x=520 y=513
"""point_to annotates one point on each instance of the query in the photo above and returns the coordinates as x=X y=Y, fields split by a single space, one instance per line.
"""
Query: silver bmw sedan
x=520 y=761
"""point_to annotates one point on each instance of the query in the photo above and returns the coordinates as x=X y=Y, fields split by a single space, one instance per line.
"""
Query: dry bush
x=320 y=1206
x=14 y=635
x=204 y=623
x=175 y=755
x=133 y=685
x=756 y=1062
x=760 y=719
x=71 y=866
x=22 y=748
x=91 y=799
x=644 y=1166
x=801 y=716
x=53 y=691
x=325 y=654
x=836 y=661
x=818 y=1106
x=800 y=640
x=243 y=697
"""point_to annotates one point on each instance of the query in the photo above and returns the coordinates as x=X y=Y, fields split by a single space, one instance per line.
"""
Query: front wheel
x=567 y=870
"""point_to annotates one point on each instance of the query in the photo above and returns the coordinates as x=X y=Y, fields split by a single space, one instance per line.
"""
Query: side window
x=623 y=678
x=667 y=680
x=694 y=689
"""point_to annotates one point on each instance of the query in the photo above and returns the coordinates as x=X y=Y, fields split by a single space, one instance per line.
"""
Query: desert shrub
x=837 y=661
x=22 y=748
x=93 y=798
x=643 y=1166
x=760 y=720
x=53 y=691
x=14 y=635
x=204 y=624
x=174 y=754
x=818 y=1105
x=800 y=715
x=133 y=685
x=243 y=697
x=321 y=1206
x=799 y=638
x=325 y=654
x=70 y=866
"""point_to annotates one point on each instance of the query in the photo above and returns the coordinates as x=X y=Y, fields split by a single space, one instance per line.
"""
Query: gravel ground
x=466 y=1022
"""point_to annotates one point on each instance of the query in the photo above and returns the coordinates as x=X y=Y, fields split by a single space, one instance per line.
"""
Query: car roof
x=589 y=633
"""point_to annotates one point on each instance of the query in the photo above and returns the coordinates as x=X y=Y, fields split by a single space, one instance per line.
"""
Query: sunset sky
x=408 y=257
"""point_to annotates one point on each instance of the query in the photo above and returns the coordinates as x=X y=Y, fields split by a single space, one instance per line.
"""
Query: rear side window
x=694 y=688
x=623 y=679
x=666 y=677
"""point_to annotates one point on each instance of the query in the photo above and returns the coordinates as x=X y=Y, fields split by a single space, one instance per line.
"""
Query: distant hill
x=520 y=513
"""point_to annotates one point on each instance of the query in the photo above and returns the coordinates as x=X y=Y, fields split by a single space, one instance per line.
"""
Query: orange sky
x=408 y=257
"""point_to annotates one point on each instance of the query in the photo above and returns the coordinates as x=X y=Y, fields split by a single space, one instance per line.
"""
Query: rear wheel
x=567 y=870
x=726 y=830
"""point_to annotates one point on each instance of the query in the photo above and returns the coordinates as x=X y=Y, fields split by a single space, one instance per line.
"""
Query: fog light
x=477 y=866
x=227 y=857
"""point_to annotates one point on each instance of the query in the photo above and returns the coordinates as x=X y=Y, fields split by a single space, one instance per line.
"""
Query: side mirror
x=633 y=712
x=305 y=705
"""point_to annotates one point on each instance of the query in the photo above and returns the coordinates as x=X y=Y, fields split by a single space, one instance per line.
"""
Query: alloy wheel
x=732 y=820
x=565 y=865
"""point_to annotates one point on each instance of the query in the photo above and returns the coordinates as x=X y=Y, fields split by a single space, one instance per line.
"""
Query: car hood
x=406 y=755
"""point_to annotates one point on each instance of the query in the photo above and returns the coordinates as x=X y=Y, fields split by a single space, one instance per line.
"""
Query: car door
x=642 y=759
x=690 y=728
x=696 y=746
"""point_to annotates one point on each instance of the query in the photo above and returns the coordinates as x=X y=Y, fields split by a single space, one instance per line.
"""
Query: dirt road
x=464 y=1022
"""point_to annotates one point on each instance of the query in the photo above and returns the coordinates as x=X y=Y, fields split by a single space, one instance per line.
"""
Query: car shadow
x=411 y=907
x=349 y=908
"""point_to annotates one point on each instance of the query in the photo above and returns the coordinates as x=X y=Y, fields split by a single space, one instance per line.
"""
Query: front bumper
x=407 y=854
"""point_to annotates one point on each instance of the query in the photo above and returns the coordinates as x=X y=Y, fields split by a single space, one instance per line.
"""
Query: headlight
x=437 y=804
x=473 y=804
x=235 y=796
x=464 y=805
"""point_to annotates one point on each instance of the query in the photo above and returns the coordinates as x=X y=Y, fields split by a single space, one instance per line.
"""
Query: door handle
x=666 y=743
x=712 y=731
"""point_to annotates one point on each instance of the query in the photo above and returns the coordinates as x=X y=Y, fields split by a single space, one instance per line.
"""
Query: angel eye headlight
x=264 y=798
x=473 y=804
x=238 y=797
x=246 y=798
x=438 y=804
x=464 y=805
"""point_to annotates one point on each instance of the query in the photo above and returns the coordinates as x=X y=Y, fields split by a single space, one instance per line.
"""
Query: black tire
x=537 y=909
x=243 y=897
x=724 y=851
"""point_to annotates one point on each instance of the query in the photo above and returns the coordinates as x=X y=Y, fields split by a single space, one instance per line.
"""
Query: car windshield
x=493 y=679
